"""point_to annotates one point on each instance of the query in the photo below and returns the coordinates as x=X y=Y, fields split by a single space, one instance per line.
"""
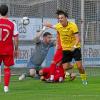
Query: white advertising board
x=91 y=55
x=26 y=32
x=24 y=55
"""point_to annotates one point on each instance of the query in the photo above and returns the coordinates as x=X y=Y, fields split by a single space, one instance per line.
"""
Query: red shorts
x=8 y=60
x=58 y=55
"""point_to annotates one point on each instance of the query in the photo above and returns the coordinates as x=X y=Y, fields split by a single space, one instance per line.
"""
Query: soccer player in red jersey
x=57 y=59
x=8 y=44
x=58 y=74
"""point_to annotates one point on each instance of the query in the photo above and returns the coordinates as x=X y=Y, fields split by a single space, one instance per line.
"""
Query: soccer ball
x=25 y=21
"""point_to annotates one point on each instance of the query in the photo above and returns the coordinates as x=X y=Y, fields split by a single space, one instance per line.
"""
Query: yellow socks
x=83 y=77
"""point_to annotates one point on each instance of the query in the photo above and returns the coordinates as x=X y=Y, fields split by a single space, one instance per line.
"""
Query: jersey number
x=6 y=36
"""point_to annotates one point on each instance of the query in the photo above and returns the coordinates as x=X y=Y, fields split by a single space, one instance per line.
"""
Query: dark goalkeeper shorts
x=69 y=55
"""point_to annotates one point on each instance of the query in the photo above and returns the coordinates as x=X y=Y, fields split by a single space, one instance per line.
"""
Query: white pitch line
x=59 y=95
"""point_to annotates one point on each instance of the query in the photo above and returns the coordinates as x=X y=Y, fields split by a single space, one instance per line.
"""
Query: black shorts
x=69 y=55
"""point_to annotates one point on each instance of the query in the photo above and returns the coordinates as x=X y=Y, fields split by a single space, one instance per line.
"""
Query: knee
x=80 y=67
x=32 y=72
x=65 y=67
x=6 y=67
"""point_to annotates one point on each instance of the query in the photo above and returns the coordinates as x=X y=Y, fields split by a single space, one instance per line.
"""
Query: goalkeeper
x=39 y=53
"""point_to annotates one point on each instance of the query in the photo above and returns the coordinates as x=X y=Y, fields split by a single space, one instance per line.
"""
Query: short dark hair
x=61 y=12
x=3 y=10
x=46 y=34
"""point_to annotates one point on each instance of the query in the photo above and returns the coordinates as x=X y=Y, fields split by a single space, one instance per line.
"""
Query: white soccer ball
x=25 y=20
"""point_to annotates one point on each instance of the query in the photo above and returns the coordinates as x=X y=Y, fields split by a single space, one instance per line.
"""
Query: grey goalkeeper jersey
x=39 y=53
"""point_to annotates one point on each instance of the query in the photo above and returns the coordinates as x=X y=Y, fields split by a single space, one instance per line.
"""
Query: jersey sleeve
x=75 y=28
x=57 y=26
x=15 y=33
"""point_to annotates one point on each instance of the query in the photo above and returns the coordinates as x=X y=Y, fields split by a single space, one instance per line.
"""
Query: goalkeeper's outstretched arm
x=38 y=35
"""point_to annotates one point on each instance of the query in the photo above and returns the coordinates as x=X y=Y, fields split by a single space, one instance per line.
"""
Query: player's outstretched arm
x=48 y=24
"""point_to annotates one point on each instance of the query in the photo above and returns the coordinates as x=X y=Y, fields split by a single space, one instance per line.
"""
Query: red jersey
x=58 y=41
x=7 y=31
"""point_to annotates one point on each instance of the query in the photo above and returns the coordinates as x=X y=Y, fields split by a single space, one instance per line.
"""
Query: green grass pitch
x=32 y=89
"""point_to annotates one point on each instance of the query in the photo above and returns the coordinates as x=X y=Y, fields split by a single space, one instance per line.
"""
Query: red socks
x=6 y=76
x=52 y=68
